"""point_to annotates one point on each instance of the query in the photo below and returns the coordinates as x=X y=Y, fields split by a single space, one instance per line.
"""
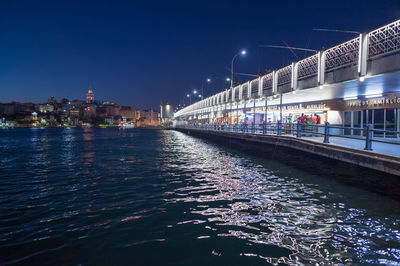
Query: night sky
x=140 y=54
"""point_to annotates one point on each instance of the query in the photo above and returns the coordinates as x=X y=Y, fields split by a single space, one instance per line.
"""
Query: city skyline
x=119 y=49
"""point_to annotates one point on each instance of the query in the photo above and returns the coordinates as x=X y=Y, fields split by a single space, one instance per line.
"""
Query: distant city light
x=362 y=78
x=208 y=80
x=228 y=79
x=195 y=91
x=243 y=52
x=188 y=95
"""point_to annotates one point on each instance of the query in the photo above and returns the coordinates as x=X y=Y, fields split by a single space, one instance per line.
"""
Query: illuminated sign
x=300 y=106
x=377 y=102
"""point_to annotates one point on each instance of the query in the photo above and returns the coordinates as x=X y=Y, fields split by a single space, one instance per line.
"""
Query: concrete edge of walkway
x=368 y=159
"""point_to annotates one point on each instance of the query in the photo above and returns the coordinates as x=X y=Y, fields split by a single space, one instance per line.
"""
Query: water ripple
x=91 y=196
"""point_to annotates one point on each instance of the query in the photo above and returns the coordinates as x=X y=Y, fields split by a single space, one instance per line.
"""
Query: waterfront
x=109 y=196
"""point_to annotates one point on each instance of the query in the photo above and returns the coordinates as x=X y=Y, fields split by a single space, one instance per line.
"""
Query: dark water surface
x=141 y=197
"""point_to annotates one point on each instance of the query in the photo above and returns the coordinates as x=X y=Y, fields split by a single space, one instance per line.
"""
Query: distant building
x=166 y=113
x=148 y=118
x=90 y=96
x=109 y=120
x=64 y=101
x=128 y=113
x=89 y=112
x=52 y=101
x=10 y=109
x=77 y=103
x=46 y=108
x=74 y=113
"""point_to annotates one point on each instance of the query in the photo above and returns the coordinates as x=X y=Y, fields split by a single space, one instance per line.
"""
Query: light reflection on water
x=262 y=207
x=148 y=197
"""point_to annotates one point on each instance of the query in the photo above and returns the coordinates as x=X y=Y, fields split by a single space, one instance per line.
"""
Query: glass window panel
x=379 y=121
x=357 y=122
x=391 y=124
x=347 y=122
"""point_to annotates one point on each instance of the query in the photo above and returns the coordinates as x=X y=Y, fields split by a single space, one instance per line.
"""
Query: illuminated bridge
x=347 y=95
x=353 y=84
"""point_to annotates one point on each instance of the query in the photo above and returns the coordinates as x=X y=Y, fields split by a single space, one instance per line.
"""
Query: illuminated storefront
x=382 y=112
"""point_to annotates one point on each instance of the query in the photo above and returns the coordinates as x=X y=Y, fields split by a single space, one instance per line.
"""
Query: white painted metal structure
x=358 y=54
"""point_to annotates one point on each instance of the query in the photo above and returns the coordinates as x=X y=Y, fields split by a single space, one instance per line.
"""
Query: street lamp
x=243 y=52
x=209 y=80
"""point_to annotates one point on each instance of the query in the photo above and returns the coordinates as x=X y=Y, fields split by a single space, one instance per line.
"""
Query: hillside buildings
x=76 y=113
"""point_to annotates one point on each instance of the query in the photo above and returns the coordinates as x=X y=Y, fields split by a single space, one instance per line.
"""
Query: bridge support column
x=295 y=67
x=321 y=68
x=368 y=137
x=254 y=116
x=274 y=82
x=363 y=55
x=266 y=111
x=260 y=81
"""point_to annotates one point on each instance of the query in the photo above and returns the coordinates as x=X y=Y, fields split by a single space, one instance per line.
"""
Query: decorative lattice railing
x=267 y=82
x=254 y=88
x=284 y=75
x=244 y=91
x=385 y=40
x=307 y=67
x=342 y=55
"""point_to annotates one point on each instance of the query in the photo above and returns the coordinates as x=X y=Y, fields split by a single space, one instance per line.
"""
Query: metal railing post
x=368 y=138
x=264 y=127
x=279 y=128
x=326 y=133
x=298 y=133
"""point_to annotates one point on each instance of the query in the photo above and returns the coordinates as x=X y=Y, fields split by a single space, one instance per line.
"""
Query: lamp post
x=189 y=95
x=209 y=80
x=243 y=52
x=202 y=87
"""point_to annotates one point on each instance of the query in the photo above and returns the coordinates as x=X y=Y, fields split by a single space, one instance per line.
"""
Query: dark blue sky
x=140 y=54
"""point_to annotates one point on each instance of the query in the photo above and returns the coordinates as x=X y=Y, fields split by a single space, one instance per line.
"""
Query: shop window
x=347 y=123
x=367 y=119
x=379 y=122
x=357 y=122
x=390 y=123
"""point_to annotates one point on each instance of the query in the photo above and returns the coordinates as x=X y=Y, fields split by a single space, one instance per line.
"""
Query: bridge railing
x=308 y=67
x=342 y=55
x=384 y=41
x=322 y=131
x=355 y=52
